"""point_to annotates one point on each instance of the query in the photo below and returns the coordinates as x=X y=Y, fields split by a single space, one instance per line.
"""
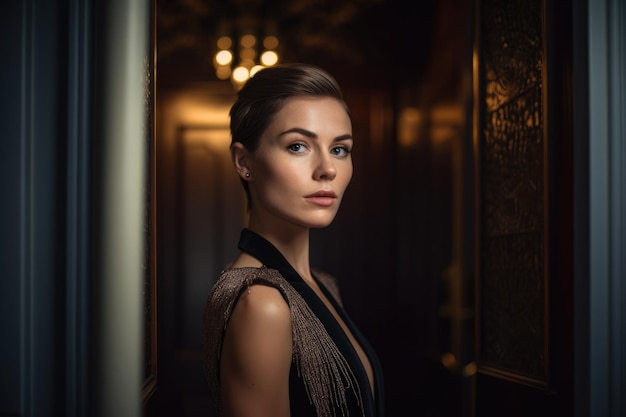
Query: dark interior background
x=396 y=245
x=534 y=84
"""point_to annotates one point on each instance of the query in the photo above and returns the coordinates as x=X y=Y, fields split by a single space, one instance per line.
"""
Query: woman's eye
x=297 y=147
x=340 y=151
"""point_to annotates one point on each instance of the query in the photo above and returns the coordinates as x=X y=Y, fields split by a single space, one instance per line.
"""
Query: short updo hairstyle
x=264 y=95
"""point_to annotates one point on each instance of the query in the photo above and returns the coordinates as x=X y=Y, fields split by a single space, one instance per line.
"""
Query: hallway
x=480 y=246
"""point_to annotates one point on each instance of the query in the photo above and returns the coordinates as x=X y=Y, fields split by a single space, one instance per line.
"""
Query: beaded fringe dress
x=324 y=370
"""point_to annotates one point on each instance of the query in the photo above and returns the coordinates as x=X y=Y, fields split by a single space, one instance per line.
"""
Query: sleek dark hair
x=263 y=95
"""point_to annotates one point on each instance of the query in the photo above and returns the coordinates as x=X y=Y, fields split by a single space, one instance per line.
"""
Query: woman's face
x=303 y=164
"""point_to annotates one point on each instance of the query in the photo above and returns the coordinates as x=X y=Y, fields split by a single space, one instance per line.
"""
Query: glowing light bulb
x=248 y=41
x=269 y=58
x=224 y=42
x=223 y=72
x=224 y=57
x=270 y=42
x=241 y=74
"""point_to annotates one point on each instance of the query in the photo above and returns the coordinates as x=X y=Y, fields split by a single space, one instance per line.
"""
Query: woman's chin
x=319 y=223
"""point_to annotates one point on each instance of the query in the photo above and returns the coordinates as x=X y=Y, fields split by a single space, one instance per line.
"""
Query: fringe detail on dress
x=324 y=370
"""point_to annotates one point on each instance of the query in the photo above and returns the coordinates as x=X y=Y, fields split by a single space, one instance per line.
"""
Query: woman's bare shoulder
x=257 y=354
x=261 y=302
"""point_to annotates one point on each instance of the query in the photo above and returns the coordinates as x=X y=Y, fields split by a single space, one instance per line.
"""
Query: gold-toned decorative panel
x=512 y=180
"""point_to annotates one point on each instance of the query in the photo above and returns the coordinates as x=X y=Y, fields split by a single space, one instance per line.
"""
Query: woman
x=277 y=340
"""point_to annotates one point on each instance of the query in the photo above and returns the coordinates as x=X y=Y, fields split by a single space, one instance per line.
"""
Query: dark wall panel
x=38 y=362
x=10 y=195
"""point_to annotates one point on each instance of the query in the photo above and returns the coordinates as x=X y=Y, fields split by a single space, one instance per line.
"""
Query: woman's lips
x=322 y=198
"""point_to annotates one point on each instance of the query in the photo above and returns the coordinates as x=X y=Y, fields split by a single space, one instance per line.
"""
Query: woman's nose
x=325 y=169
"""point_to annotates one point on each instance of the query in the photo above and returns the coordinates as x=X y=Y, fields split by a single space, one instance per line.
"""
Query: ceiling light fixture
x=240 y=60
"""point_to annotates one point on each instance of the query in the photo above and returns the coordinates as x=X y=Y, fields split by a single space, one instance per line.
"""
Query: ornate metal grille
x=512 y=181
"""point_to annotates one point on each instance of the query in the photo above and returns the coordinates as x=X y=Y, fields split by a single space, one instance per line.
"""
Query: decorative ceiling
x=368 y=39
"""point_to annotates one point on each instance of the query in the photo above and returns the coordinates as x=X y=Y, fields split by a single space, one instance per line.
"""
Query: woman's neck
x=292 y=242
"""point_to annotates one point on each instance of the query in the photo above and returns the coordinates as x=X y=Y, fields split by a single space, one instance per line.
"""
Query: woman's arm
x=257 y=355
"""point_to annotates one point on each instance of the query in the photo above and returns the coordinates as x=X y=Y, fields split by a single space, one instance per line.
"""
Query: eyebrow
x=312 y=135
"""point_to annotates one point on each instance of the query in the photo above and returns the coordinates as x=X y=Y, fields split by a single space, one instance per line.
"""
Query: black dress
x=359 y=400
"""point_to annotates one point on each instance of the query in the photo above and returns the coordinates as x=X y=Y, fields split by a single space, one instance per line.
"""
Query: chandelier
x=239 y=57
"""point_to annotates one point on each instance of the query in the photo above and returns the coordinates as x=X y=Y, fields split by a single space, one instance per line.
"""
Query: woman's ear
x=242 y=160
